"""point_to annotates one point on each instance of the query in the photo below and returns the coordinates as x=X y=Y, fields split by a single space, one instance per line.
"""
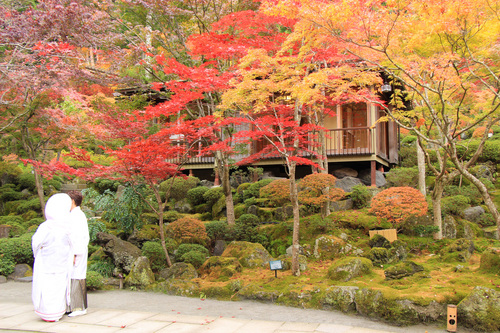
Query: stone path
x=135 y=311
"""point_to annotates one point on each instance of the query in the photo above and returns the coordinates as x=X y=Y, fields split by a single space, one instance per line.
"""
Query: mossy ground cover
x=440 y=282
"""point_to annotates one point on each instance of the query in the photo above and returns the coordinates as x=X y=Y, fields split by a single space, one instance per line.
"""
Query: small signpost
x=275 y=265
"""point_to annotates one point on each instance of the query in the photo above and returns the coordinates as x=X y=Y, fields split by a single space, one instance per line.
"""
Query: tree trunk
x=437 y=194
x=323 y=163
x=161 y=207
x=294 y=197
x=39 y=189
x=226 y=185
x=421 y=169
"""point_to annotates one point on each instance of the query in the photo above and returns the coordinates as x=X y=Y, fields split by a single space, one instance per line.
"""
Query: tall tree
x=441 y=55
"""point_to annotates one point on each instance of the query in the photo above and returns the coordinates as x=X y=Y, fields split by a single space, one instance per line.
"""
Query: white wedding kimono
x=53 y=254
x=80 y=240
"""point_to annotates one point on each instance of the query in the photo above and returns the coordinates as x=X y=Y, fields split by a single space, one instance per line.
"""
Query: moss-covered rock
x=179 y=271
x=480 y=310
x=402 y=269
x=141 y=274
x=380 y=255
x=249 y=254
x=341 y=298
x=217 y=292
x=176 y=287
x=379 y=241
x=255 y=292
x=328 y=247
x=216 y=267
x=460 y=250
x=349 y=268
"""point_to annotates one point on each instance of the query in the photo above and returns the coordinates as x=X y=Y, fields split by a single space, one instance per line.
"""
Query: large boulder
x=216 y=267
x=123 y=253
x=345 y=172
x=449 y=228
x=21 y=271
x=328 y=247
x=349 y=268
x=366 y=177
x=480 y=310
x=473 y=214
x=248 y=254
x=179 y=271
x=286 y=262
x=460 y=250
x=342 y=205
x=141 y=274
x=402 y=269
x=347 y=183
x=341 y=298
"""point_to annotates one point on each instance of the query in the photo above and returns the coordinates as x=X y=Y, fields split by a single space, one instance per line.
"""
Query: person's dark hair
x=76 y=196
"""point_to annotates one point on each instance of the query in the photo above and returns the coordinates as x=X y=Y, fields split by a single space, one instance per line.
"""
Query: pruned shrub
x=178 y=187
x=249 y=220
x=185 y=248
x=213 y=195
x=6 y=266
x=253 y=190
x=17 y=249
x=317 y=188
x=398 y=177
x=188 y=230
x=154 y=252
x=194 y=258
x=277 y=192
x=195 y=195
x=396 y=204
x=216 y=230
x=454 y=205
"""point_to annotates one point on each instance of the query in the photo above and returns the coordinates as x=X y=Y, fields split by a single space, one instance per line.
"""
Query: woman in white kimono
x=80 y=240
x=53 y=254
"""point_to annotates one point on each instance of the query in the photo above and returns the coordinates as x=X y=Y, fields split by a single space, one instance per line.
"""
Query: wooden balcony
x=339 y=142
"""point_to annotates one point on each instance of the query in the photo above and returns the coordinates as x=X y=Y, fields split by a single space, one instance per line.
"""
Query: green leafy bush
x=154 y=252
x=195 y=195
x=27 y=181
x=178 y=187
x=185 y=248
x=194 y=258
x=17 y=249
x=454 y=205
x=9 y=194
x=171 y=216
x=94 y=281
x=470 y=192
x=401 y=176
x=26 y=205
x=6 y=266
x=104 y=267
x=360 y=196
x=213 y=195
x=95 y=225
x=216 y=230
x=253 y=191
x=249 y=220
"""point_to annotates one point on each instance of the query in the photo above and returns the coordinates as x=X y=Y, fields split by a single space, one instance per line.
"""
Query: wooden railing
x=339 y=142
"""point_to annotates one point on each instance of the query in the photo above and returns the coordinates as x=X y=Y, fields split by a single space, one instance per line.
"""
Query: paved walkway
x=135 y=311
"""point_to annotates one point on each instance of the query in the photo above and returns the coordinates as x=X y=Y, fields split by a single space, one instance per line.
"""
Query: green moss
x=490 y=262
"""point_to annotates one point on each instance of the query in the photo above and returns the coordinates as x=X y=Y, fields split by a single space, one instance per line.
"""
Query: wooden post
x=452 y=318
x=373 y=173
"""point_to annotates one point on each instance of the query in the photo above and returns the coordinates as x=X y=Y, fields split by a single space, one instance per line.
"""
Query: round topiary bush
x=154 y=252
x=6 y=266
x=194 y=258
x=188 y=230
x=277 y=192
x=396 y=204
x=195 y=195
x=185 y=248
